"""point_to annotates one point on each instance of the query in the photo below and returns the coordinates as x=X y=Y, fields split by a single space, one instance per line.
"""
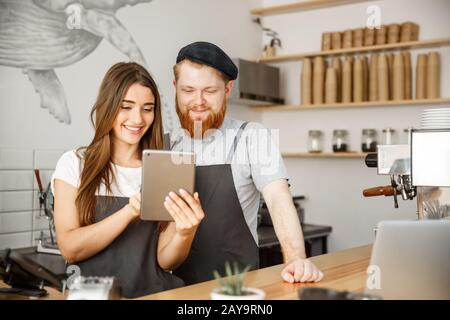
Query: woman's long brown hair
x=96 y=157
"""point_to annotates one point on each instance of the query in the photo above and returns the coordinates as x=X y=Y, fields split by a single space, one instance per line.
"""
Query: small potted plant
x=271 y=49
x=232 y=285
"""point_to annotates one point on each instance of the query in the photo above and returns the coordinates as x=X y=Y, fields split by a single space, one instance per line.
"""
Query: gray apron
x=131 y=257
x=223 y=235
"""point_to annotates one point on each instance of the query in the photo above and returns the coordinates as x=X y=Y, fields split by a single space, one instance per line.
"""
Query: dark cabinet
x=270 y=253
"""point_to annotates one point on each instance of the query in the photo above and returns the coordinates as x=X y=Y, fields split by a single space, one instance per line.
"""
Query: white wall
x=333 y=187
x=160 y=28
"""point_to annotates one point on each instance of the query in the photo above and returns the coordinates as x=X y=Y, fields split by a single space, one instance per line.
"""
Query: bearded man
x=236 y=162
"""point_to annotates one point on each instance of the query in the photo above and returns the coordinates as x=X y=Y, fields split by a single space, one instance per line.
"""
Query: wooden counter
x=344 y=270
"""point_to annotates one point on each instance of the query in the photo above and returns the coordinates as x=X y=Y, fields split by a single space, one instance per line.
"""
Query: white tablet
x=163 y=172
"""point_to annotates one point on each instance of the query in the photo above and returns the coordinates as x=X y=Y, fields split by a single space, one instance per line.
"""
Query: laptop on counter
x=411 y=260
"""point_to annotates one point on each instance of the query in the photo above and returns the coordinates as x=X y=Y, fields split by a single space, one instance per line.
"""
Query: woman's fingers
x=171 y=211
x=180 y=202
x=181 y=219
x=135 y=201
x=188 y=206
x=185 y=209
x=194 y=203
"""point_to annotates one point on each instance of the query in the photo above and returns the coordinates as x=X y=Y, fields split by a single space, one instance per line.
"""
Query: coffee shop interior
x=356 y=94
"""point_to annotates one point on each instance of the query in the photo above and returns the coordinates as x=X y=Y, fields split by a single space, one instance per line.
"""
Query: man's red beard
x=213 y=121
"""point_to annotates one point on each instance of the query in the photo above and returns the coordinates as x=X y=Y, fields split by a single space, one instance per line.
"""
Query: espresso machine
x=418 y=170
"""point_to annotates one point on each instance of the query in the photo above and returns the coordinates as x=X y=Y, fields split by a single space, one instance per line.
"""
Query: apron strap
x=166 y=141
x=235 y=142
x=175 y=143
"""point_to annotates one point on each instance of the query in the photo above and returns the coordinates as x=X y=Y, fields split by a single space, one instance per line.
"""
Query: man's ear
x=228 y=88
x=174 y=82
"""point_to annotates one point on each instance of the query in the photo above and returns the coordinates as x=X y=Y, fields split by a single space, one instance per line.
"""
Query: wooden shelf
x=392 y=46
x=324 y=155
x=302 y=6
x=366 y=104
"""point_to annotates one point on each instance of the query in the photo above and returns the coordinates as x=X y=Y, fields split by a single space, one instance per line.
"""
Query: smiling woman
x=97 y=192
x=134 y=118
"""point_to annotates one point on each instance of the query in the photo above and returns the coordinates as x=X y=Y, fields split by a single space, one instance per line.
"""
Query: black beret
x=211 y=55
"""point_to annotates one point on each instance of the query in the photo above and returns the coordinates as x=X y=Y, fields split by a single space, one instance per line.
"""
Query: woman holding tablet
x=97 y=192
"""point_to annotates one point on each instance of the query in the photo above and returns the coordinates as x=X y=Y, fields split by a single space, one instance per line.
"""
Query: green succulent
x=233 y=280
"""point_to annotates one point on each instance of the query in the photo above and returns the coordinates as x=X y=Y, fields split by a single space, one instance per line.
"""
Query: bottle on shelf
x=340 y=141
x=369 y=140
x=389 y=136
x=406 y=138
x=315 y=141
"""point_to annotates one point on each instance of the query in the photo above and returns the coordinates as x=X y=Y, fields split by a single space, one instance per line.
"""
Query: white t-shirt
x=127 y=180
x=256 y=162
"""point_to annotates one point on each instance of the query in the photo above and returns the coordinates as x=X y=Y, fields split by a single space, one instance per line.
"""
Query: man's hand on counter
x=301 y=270
x=289 y=232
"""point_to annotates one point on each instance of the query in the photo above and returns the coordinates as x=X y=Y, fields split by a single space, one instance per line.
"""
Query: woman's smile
x=135 y=130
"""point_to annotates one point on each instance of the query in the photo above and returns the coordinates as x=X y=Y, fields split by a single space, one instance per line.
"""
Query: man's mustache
x=199 y=108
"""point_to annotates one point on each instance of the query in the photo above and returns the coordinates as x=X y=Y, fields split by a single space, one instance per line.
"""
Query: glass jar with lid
x=369 y=140
x=389 y=136
x=315 y=141
x=406 y=138
x=340 y=140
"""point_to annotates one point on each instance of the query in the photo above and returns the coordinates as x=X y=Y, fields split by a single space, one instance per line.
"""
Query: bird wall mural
x=38 y=36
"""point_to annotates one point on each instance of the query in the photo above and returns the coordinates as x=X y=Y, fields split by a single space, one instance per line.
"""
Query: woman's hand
x=134 y=206
x=185 y=210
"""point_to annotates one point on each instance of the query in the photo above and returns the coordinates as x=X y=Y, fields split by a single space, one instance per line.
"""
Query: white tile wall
x=16 y=201
x=16 y=222
x=13 y=180
x=15 y=240
x=46 y=159
x=16 y=159
x=21 y=219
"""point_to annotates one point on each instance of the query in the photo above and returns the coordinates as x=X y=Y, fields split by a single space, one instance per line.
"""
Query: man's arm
x=289 y=232
x=285 y=220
